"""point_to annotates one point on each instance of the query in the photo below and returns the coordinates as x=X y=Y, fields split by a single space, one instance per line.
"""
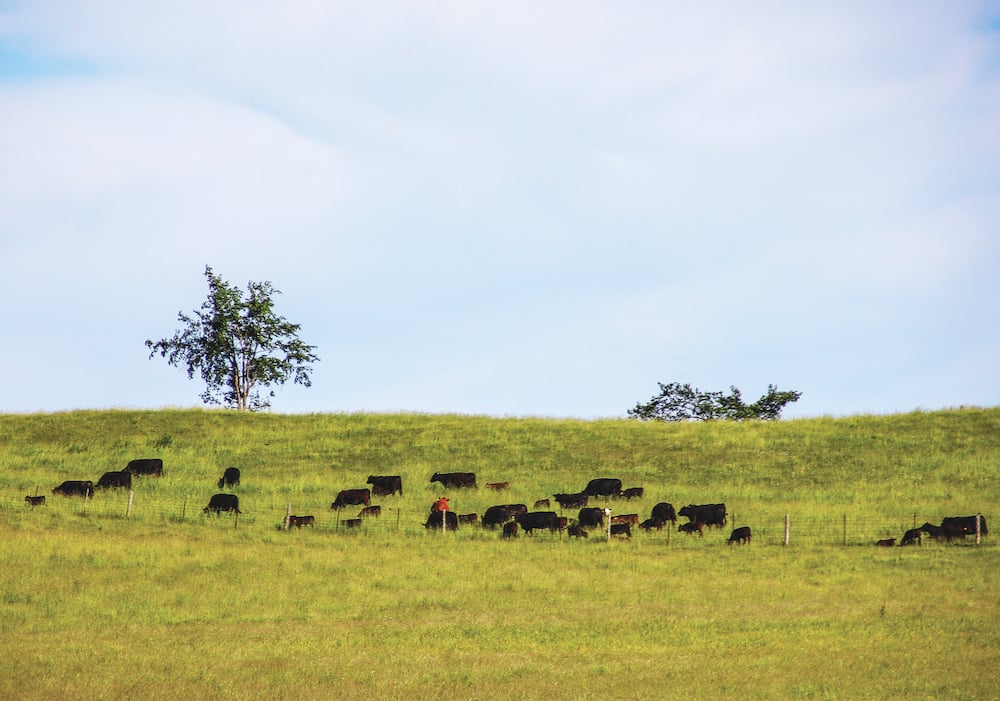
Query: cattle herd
x=510 y=519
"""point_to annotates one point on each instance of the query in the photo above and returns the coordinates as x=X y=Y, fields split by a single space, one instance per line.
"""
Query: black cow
x=538 y=519
x=576 y=531
x=912 y=536
x=591 y=517
x=603 y=487
x=705 y=514
x=118 y=479
x=965 y=525
x=651 y=523
x=230 y=477
x=932 y=530
x=664 y=511
x=34 y=501
x=633 y=492
x=223 y=502
x=352 y=497
x=146 y=466
x=621 y=529
x=510 y=529
x=299 y=521
x=75 y=488
x=886 y=542
x=571 y=501
x=386 y=485
x=498 y=515
x=436 y=518
x=740 y=535
x=455 y=480
x=543 y=504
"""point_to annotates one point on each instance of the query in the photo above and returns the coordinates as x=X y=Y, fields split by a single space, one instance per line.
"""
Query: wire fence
x=399 y=518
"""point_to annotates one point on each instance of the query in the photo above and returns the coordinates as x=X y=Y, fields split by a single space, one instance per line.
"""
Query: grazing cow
x=75 y=488
x=591 y=517
x=577 y=531
x=692 y=527
x=146 y=466
x=386 y=485
x=932 y=530
x=352 y=523
x=468 y=518
x=912 y=536
x=370 y=512
x=603 y=487
x=223 y=502
x=572 y=501
x=664 y=511
x=34 y=501
x=886 y=542
x=651 y=523
x=118 y=479
x=706 y=514
x=633 y=493
x=965 y=525
x=739 y=535
x=510 y=529
x=632 y=519
x=448 y=518
x=230 y=478
x=455 y=480
x=621 y=529
x=352 y=497
x=498 y=515
x=542 y=504
x=538 y=519
x=498 y=486
x=299 y=521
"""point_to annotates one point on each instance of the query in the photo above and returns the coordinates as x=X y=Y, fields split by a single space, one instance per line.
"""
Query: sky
x=514 y=209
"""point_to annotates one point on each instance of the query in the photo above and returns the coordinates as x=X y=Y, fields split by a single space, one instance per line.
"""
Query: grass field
x=170 y=603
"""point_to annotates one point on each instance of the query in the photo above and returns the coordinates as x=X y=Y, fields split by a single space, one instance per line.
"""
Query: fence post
x=288 y=516
x=131 y=496
x=845 y=529
x=607 y=513
x=979 y=518
x=787 y=528
x=184 y=506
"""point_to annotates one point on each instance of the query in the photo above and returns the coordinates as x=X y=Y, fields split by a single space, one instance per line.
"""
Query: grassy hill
x=205 y=607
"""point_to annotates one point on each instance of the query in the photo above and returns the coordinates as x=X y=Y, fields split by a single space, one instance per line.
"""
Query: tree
x=677 y=402
x=238 y=345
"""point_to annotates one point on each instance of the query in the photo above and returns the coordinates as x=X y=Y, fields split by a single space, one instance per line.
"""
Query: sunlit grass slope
x=170 y=603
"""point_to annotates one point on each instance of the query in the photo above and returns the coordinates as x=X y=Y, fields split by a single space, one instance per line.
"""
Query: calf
x=370 y=511
x=299 y=521
x=35 y=501
x=651 y=523
x=632 y=519
x=886 y=543
x=633 y=492
x=690 y=528
x=572 y=501
x=497 y=486
x=468 y=518
x=576 y=531
x=739 y=535
x=621 y=529
x=352 y=523
x=912 y=536
x=510 y=529
x=542 y=504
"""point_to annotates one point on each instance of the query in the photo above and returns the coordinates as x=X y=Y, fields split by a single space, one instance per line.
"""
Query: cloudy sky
x=514 y=209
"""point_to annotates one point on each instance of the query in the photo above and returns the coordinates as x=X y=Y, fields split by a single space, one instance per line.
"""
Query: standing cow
x=223 y=502
x=386 y=485
x=352 y=497
x=146 y=466
x=455 y=480
x=115 y=480
x=230 y=478
x=75 y=488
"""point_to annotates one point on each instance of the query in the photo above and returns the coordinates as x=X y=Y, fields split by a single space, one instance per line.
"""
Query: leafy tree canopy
x=238 y=345
x=677 y=402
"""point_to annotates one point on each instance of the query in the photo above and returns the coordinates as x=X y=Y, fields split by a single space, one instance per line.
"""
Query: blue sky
x=513 y=209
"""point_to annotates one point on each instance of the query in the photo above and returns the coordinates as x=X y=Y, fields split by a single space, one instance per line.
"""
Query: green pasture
x=171 y=603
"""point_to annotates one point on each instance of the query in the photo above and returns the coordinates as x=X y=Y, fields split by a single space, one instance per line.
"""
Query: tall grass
x=161 y=605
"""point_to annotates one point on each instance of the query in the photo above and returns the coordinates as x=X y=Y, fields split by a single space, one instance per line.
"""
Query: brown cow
x=632 y=519
x=692 y=527
x=373 y=511
x=633 y=492
x=299 y=521
x=886 y=543
x=497 y=486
